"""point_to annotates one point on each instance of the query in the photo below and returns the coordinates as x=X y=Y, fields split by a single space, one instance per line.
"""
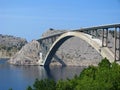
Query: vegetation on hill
x=105 y=76
x=9 y=45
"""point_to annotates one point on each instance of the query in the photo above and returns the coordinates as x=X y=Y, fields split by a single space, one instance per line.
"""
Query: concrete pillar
x=92 y=33
x=115 y=43
x=105 y=38
x=95 y=33
x=52 y=39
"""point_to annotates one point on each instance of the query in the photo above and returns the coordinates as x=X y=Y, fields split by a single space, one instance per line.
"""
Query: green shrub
x=104 y=63
x=105 y=76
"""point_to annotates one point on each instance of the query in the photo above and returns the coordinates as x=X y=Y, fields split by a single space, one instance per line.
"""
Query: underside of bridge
x=104 y=52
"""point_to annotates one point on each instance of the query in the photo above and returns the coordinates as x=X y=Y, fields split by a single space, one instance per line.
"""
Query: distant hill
x=9 y=45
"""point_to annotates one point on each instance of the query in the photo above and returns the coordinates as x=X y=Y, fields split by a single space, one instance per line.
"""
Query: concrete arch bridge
x=88 y=35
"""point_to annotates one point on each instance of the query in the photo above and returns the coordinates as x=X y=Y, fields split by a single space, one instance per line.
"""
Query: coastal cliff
x=28 y=55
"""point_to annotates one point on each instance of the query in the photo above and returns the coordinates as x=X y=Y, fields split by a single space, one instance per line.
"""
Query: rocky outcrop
x=9 y=45
x=28 y=55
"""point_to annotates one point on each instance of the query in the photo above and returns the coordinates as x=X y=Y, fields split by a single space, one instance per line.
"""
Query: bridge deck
x=85 y=29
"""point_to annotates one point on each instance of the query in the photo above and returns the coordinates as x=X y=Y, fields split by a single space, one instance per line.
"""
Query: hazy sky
x=30 y=18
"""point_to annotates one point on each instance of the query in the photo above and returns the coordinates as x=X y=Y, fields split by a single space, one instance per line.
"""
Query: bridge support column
x=97 y=34
x=94 y=33
x=53 y=39
x=117 y=44
x=105 y=38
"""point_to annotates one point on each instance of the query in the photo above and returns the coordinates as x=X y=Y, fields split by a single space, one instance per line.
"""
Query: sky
x=29 y=19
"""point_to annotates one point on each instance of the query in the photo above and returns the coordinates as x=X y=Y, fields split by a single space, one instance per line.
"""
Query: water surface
x=19 y=77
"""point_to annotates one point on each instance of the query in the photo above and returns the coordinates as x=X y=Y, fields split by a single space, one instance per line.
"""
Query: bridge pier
x=105 y=37
x=93 y=33
x=117 y=44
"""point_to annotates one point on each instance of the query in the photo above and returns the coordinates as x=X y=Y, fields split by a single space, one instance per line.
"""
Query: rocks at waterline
x=28 y=55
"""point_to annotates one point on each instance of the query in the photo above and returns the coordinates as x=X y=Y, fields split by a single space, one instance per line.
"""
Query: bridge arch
x=105 y=52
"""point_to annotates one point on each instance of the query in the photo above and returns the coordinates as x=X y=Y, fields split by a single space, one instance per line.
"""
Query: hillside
x=9 y=45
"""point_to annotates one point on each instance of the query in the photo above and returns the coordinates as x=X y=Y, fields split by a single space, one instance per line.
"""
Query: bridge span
x=87 y=35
